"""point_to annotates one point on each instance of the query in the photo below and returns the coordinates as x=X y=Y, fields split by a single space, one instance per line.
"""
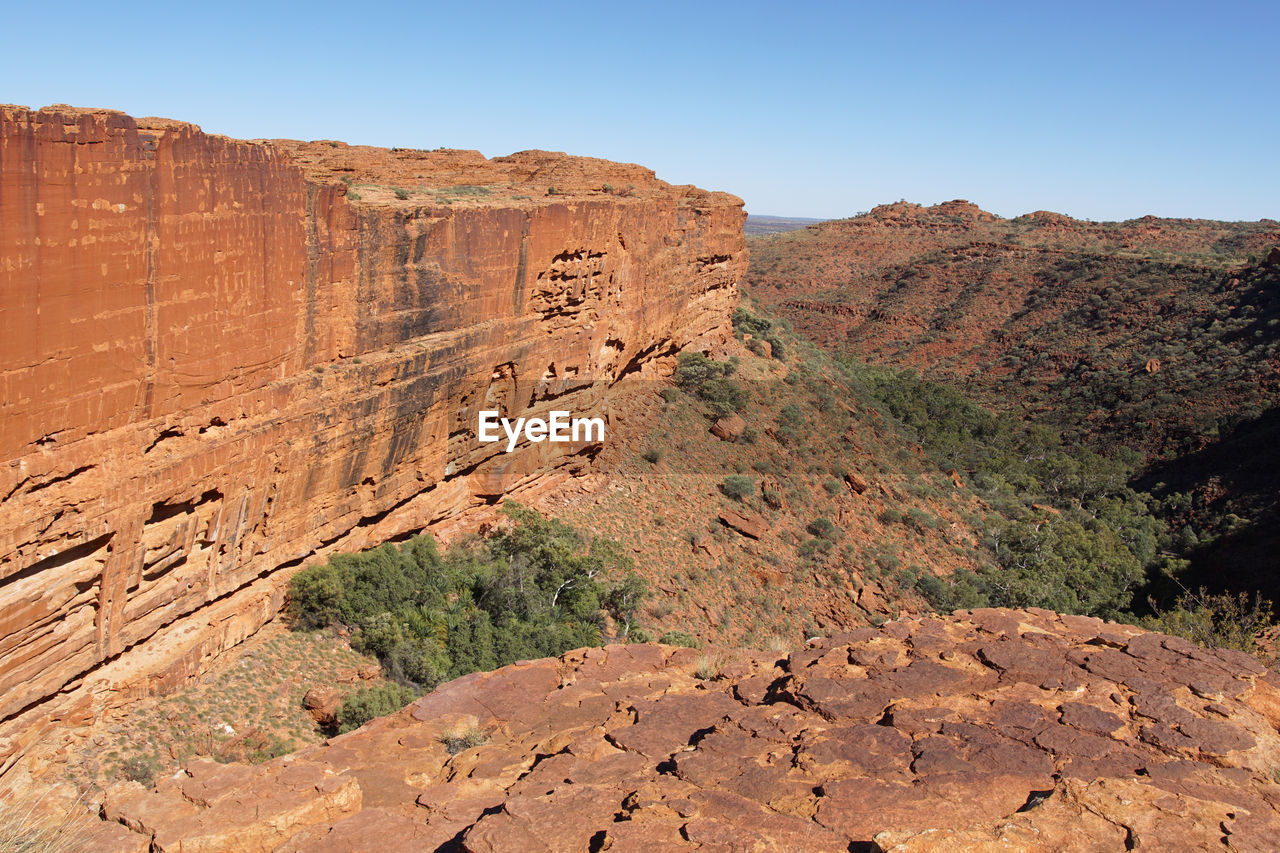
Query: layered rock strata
x=221 y=359
x=987 y=730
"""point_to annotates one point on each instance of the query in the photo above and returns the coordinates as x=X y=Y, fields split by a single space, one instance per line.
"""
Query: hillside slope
x=1149 y=332
x=1160 y=336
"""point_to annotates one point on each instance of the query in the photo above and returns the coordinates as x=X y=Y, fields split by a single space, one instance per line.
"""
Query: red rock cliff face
x=217 y=364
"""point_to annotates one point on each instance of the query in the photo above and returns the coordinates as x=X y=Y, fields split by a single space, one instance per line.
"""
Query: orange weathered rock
x=729 y=428
x=218 y=364
x=746 y=522
x=989 y=729
x=857 y=483
x=771 y=492
x=703 y=543
x=322 y=703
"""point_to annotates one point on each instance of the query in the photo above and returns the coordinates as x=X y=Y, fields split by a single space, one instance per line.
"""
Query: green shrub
x=1066 y=566
x=746 y=322
x=890 y=516
x=368 y=703
x=814 y=548
x=887 y=562
x=680 y=638
x=738 y=487
x=269 y=747
x=533 y=590
x=823 y=528
x=921 y=520
x=760 y=329
x=708 y=380
x=962 y=590
x=792 y=425
x=141 y=769
x=1215 y=620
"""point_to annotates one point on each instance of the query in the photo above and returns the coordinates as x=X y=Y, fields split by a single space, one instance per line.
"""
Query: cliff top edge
x=407 y=177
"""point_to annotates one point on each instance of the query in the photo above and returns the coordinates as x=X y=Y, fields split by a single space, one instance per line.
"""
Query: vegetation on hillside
x=1164 y=357
x=533 y=589
x=1065 y=530
x=248 y=708
x=808 y=468
x=755 y=328
x=1159 y=335
x=1111 y=389
x=710 y=381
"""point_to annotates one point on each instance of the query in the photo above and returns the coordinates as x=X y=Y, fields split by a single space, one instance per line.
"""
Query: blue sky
x=1097 y=110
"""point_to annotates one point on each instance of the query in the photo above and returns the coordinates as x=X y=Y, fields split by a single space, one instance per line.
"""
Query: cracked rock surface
x=988 y=729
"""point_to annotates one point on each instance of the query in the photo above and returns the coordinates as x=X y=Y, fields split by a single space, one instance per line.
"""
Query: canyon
x=223 y=359
x=1161 y=336
x=1172 y=321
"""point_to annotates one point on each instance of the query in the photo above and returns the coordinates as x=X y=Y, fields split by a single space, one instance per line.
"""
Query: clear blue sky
x=1099 y=110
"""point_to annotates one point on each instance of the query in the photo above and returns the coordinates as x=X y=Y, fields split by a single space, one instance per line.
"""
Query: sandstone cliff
x=221 y=359
x=989 y=729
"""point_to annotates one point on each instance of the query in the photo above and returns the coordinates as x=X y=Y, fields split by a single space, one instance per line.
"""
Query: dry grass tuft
x=36 y=823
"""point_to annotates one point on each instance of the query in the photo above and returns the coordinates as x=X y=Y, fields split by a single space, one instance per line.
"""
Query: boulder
x=729 y=428
x=856 y=482
x=322 y=704
x=747 y=523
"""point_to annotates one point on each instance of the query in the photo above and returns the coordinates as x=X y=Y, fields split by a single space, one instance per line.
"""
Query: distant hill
x=776 y=224
x=1146 y=332
x=1160 y=335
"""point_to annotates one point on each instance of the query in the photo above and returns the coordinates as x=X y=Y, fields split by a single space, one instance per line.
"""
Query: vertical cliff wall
x=220 y=359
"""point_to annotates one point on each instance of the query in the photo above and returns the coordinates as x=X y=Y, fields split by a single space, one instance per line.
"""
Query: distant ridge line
x=757 y=225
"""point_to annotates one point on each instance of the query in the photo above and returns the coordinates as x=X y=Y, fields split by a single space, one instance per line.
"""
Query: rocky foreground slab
x=990 y=729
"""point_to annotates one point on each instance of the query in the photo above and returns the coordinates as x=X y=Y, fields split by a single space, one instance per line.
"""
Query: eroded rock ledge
x=217 y=364
x=989 y=729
